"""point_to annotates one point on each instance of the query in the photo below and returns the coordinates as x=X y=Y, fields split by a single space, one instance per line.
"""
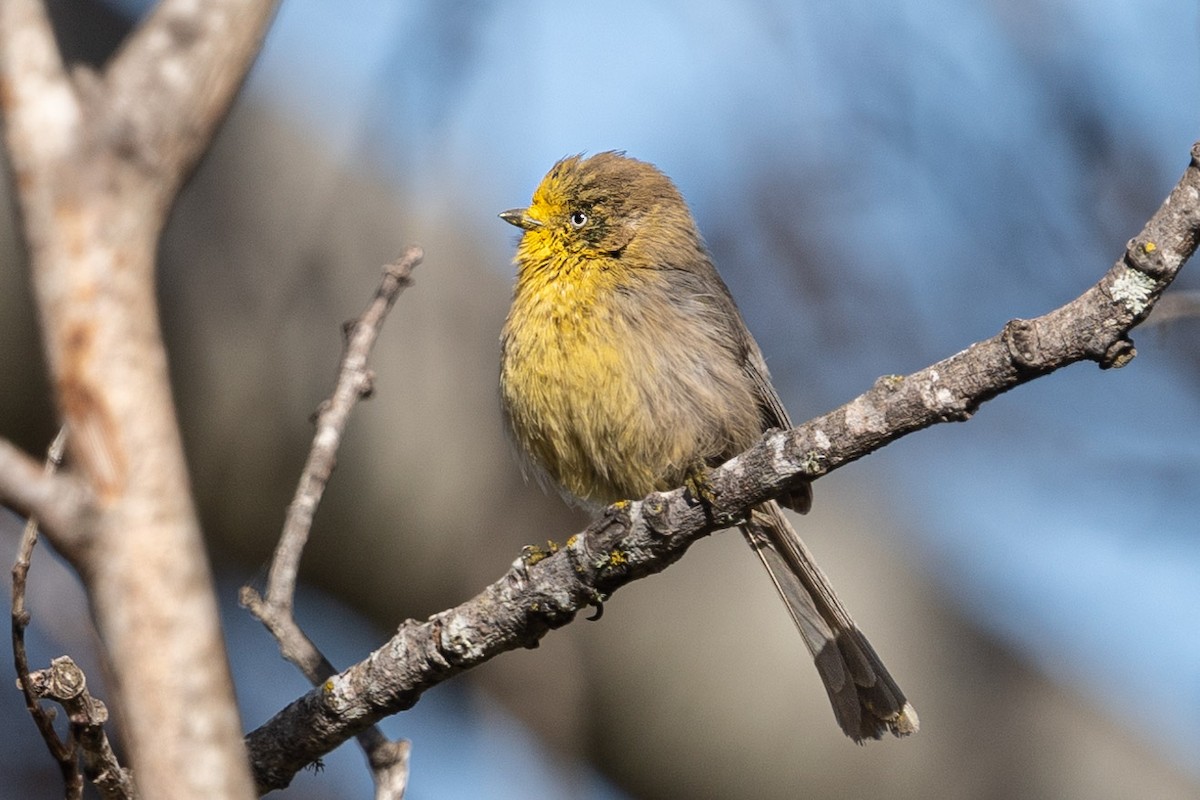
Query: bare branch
x=636 y=539
x=174 y=79
x=388 y=760
x=59 y=502
x=97 y=163
x=354 y=382
x=42 y=114
x=62 y=752
x=65 y=683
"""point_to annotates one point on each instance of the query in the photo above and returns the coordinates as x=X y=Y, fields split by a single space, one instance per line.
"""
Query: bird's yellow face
x=578 y=218
x=551 y=226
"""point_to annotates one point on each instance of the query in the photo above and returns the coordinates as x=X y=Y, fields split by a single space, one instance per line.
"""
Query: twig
x=63 y=752
x=65 y=683
x=354 y=382
x=388 y=760
x=636 y=539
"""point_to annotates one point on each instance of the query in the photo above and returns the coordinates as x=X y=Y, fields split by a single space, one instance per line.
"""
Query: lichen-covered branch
x=633 y=540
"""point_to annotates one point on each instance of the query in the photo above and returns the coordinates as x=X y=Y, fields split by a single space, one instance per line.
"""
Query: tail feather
x=866 y=701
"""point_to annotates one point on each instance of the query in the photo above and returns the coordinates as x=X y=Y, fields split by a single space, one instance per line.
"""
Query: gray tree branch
x=636 y=539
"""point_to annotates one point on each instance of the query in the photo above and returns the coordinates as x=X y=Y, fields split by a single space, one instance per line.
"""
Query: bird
x=626 y=368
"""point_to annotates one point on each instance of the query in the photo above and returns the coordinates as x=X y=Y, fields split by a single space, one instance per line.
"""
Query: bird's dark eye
x=578 y=219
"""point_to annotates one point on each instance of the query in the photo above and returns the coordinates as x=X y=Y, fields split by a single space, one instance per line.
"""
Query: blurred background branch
x=97 y=161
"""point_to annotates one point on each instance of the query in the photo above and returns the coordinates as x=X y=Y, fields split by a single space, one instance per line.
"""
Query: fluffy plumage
x=626 y=368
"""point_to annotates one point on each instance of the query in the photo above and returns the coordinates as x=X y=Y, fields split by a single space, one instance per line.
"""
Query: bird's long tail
x=866 y=701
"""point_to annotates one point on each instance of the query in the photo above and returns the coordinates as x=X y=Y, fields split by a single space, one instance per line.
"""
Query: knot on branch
x=400 y=270
x=1024 y=345
x=950 y=404
x=602 y=535
x=1117 y=354
x=656 y=511
x=1146 y=257
x=460 y=641
x=63 y=681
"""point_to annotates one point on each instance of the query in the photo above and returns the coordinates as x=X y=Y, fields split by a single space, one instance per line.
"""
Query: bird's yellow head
x=607 y=207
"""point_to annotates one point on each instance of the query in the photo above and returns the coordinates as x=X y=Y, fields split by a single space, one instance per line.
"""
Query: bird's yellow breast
x=606 y=390
x=562 y=377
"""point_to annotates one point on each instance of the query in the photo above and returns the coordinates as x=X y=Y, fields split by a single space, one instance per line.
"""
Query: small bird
x=626 y=368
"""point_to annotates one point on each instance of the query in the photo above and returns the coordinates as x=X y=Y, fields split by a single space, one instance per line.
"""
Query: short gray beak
x=520 y=217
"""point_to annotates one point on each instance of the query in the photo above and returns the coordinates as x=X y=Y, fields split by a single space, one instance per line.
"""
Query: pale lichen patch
x=1132 y=288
